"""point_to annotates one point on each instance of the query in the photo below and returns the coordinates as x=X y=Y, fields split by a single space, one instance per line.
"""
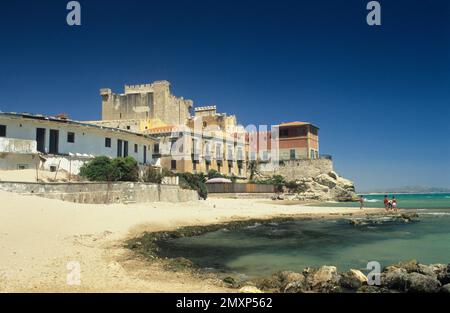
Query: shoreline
x=40 y=236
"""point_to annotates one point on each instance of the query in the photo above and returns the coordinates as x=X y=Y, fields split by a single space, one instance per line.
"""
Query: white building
x=29 y=141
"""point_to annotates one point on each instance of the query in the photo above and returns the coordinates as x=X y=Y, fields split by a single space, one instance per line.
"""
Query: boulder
x=445 y=289
x=333 y=175
x=345 y=184
x=419 y=283
x=273 y=283
x=325 y=180
x=290 y=277
x=396 y=278
x=353 y=279
x=249 y=289
x=444 y=275
x=296 y=287
x=438 y=268
x=426 y=270
x=410 y=266
x=324 y=279
x=339 y=193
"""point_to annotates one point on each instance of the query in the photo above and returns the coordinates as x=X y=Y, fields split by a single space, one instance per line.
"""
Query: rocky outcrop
x=325 y=187
x=410 y=277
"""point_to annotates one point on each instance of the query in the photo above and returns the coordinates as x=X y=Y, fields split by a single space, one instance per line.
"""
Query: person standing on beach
x=361 y=202
x=386 y=203
x=394 y=204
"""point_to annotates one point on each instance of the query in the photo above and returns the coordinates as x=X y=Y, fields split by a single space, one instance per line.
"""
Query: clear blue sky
x=380 y=95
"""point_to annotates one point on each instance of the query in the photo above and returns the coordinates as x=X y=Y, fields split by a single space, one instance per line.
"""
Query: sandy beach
x=38 y=237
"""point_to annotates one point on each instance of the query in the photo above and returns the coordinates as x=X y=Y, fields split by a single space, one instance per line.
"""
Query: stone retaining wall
x=296 y=169
x=90 y=192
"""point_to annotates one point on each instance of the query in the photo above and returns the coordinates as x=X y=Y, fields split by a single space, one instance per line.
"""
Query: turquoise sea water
x=404 y=201
x=264 y=249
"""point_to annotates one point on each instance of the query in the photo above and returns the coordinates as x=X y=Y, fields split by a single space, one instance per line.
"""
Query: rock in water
x=421 y=283
x=396 y=278
x=324 y=279
x=353 y=279
x=444 y=275
x=445 y=289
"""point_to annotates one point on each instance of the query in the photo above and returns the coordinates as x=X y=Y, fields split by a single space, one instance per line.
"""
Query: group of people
x=389 y=204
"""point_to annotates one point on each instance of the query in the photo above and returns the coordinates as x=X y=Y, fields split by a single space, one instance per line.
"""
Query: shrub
x=127 y=167
x=99 y=169
x=292 y=186
x=102 y=168
x=194 y=182
x=153 y=175
x=277 y=180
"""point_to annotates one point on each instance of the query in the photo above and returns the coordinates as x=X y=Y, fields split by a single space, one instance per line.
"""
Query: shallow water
x=260 y=250
x=404 y=201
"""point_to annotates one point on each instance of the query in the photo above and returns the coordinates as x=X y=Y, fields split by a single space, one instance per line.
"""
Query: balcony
x=21 y=146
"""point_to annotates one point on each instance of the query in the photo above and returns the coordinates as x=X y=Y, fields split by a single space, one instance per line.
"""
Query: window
x=239 y=153
x=230 y=153
x=108 y=142
x=265 y=155
x=173 y=164
x=312 y=154
x=70 y=137
x=284 y=133
x=218 y=152
x=230 y=167
x=292 y=154
x=2 y=130
x=136 y=148
x=128 y=127
x=156 y=148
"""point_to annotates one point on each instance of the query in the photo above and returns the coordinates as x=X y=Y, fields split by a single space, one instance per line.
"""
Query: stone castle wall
x=149 y=101
x=296 y=169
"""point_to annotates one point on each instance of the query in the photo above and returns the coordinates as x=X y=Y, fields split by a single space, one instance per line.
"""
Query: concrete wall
x=296 y=169
x=15 y=161
x=124 y=192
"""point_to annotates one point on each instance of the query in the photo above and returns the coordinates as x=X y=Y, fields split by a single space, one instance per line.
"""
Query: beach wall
x=296 y=169
x=91 y=192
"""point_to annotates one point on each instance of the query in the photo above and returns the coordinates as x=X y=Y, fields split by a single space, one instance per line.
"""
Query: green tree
x=194 y=182
x=100 y=168
x=127 y=167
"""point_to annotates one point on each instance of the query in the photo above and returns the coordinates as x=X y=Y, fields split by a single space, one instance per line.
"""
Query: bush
x=194 y=182
x=277 y=180
x=99 y=169
x=292 y=186
x=153 y=175
x=127 y=167
x=103 y=168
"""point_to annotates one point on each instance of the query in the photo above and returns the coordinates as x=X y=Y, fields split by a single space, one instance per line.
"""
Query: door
x=125 y=148
x=292 y=154
x=119 y=148
x=54 y=141
x=145 y=154
x=40 y=139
